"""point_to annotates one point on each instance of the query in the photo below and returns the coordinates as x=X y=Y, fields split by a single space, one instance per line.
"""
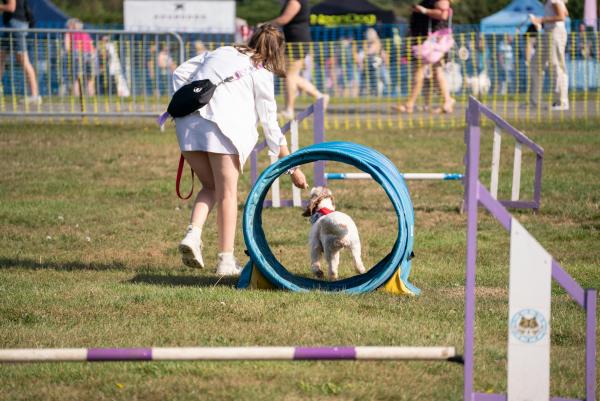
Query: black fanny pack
x=196 y=94
x=192 y=97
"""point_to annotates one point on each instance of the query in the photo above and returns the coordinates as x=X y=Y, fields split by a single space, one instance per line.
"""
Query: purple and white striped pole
x=228 y=354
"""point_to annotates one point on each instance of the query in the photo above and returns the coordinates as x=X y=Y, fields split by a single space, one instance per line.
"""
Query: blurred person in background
x=346 y=69
x=375 y=78
x=506 y=60
x=111 y=72
x=81 y=54
x=294 y=19
x=551 y=50
x=429 y=16
x=160 y=69
x=585 y=42
x=16 y=15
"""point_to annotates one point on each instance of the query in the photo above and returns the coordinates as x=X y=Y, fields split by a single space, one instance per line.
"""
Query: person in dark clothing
x=14 y=15
x=429 y=16
x=294 y=20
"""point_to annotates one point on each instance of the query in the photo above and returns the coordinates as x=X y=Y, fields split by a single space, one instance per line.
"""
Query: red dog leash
x=178 y=180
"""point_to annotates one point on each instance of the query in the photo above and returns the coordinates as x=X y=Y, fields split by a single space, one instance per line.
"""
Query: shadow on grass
x=8 y=263
x=442 y=208
x=184 y=281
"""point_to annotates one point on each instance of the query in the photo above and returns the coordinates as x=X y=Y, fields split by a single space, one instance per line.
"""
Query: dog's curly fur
x=330 y=234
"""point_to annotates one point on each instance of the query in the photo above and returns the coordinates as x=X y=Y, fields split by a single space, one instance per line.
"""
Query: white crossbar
x=275 y=187
x=296 y=194
x=228 y=354
x=495 y=162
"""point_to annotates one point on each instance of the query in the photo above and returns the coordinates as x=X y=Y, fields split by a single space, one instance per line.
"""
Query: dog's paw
x=317 y=271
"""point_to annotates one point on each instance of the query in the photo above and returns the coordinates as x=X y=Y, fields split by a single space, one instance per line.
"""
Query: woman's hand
x=299 y=180
x=535 y=20
x=420 y=9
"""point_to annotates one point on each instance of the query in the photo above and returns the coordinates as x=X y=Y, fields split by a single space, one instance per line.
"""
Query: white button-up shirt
x=237 y=106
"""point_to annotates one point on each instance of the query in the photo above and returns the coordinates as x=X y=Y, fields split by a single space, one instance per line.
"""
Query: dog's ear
x=327 y=192
x=311 y=207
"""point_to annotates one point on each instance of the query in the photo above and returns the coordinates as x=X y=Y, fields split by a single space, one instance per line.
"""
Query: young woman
x=294 y=20
x=429 y=16
x=551 y=49
x=217 y=139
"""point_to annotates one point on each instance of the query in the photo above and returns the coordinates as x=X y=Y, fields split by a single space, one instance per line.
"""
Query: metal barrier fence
x=120 y=73
x=93 y=72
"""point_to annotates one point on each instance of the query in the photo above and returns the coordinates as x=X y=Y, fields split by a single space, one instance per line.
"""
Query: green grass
x=88 y=257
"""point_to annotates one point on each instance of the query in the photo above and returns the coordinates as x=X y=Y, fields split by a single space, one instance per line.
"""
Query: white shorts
x=199 y=134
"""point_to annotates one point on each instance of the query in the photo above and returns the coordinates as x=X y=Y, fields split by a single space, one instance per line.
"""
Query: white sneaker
x=287 y=114
x=34 y=100
x=325 y=98
x=190 y=248
x=227 y=265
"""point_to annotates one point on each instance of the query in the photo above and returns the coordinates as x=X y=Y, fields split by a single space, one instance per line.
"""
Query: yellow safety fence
x=370 y=82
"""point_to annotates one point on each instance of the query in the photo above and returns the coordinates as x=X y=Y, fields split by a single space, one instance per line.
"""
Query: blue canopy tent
x=513 y=17
x=47 y=14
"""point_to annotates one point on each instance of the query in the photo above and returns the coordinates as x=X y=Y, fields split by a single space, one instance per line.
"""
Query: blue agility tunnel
x=391 y=273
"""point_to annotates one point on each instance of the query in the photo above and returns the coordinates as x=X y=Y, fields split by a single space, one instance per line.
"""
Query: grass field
x=90 y=226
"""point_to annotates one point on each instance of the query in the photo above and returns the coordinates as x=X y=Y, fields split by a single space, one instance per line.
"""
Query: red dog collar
x=324 y=211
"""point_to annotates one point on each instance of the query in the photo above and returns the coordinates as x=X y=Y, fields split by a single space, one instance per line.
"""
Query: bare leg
x=226 y=171
x=291 y=85
x=294 y=82
x=23 y=59
x=2 y=63
x=448 y=106
x=91 y=87
x=76 y=86
x=205 y=200
x=416 y=90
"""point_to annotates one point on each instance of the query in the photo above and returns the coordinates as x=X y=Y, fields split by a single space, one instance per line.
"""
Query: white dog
x=479 y=84
x=331 y=231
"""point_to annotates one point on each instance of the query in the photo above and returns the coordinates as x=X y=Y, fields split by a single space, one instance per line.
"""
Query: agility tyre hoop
x=364 y=158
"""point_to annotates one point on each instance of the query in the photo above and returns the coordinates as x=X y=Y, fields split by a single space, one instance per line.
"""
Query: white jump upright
x=496 y=147
x=516 y=181
x=516 y=173
x=275 y=188
x=296 y=193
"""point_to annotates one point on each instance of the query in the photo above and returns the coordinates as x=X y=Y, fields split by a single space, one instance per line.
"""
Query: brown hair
x=266 y=47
